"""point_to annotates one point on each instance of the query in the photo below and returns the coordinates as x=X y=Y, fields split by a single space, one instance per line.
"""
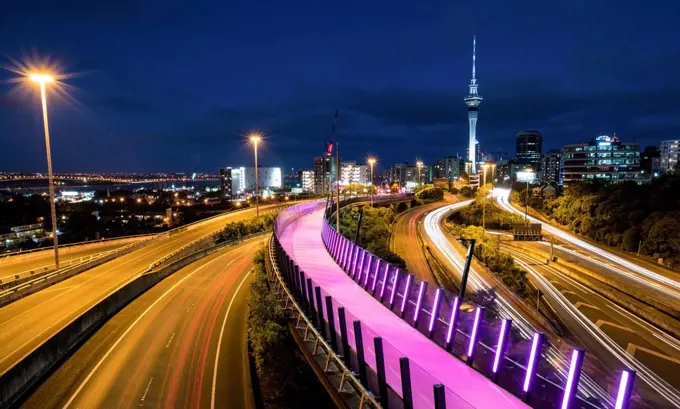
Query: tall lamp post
x=255 y=139
x=371 y=162
x=43 y=79
x=419 y=164
x=528 y=173
x=484 y=167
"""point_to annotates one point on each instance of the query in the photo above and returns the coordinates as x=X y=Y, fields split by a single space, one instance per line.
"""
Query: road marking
x=568 y=292
x=106 y=355
x=583 y=304
x=632 y=348
x=219 y=340
x=171 y=337
x=600 y=323
x=148 y=385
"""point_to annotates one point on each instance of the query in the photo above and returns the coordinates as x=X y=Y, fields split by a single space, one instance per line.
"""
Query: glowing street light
x=42 y=79
x=527 y=174
x=371 y=162
x=255 y=138
x=419 y=164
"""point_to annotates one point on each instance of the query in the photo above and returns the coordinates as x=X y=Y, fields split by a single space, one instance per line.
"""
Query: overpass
x=435 y=351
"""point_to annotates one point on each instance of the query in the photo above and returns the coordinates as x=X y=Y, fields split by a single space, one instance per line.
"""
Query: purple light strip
x=625 y=388
x=532 y=362
x=452 y=322
x=473 y=335
x=572 y=379
x=375 y=276
x=435 y=310
x=384 y=282
x=357 y=271
x=420 y=298
x=394 y=287
x=404 y=299
x=343 y=249
x=353 y=266
x=368 y=270
x=501 y=345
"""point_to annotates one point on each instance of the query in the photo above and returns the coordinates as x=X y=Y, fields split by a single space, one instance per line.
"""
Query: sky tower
x=473 y=100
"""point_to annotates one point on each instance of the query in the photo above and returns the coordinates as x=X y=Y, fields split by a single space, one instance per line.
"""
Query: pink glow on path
x=302 y=240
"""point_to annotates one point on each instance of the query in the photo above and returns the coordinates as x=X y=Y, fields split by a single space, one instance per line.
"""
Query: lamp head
x=41 y=78
x=255 y=137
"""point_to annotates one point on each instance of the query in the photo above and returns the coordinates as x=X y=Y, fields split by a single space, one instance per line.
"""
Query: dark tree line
x=626 y=215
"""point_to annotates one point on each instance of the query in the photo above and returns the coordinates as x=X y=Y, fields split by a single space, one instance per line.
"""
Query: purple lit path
x=302 y=241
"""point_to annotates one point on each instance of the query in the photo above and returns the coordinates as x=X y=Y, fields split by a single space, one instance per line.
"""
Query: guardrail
x=334 y=363
x=70 y=245
x=487 y=343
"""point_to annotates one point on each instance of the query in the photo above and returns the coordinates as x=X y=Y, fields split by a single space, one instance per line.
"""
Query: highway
x=180 y=344
x=28 y=322
x=44 y=260
x=610 y=329
x=659 y=282
x=506 y=308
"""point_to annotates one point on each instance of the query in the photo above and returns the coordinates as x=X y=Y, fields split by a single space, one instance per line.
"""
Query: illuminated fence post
x=353 y=265
x=361 y=359
x=573 y=378
x=416 y=313
x=345 y=257
x=367 y=273
x=439 y=396
x=534 y=357
x=386 y=275
x=479 y=315
x=395 y=284
x=380 y=371
x=319 y=311
x=297 y=290
x=343 y=336
x=501 y=347
x=332 y=337
x=625 y=389
x=404 y=299
x=451 y=333
x=406 y=391
x=375 y=276
x=359 y=267
x=435 y=313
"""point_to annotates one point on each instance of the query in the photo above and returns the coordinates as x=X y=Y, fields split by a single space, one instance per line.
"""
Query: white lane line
x=96 y=367
x=219 y=340
x=148 y=385
x=171 y=337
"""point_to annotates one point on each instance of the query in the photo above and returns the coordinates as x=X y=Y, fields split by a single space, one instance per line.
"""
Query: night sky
x=175 y=85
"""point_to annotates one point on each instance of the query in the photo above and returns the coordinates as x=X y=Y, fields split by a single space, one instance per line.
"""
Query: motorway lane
x=28 y=322
x=654 y=349
x=161 y=350
x=39 y=259
x=407 y=245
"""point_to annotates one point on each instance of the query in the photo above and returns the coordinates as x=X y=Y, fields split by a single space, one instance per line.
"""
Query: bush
x=235 y=230
x=430 y=194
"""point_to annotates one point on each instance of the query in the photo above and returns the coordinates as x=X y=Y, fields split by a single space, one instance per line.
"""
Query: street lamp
x=371 y=162
x=255 y=138
x=419 y=164
x=528 y=175
x=43 y=79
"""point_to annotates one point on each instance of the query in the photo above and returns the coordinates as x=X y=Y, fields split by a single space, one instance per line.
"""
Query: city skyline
x=571 y=90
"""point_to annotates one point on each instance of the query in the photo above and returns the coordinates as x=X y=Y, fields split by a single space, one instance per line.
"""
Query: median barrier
x=23 y=376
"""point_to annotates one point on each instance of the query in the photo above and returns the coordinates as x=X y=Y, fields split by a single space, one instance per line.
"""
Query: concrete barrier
x=23 y=376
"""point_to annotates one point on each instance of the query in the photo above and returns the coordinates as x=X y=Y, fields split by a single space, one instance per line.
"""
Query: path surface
x=302 y=240
x=161 y=350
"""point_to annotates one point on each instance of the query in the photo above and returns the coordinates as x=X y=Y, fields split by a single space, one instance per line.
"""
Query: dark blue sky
x=175 y=85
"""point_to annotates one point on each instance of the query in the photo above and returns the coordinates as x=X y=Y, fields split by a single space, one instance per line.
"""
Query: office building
x=552 y=162
x=404 y=174
x=604 y=158
x=350 y=173
x=448 y=168
x=529 y=147
x=307 y=180
x=650 y=162
x=472 y=101
x=243 y=179
x=670 y=155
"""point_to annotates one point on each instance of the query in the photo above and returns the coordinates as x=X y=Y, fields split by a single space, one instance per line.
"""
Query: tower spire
x=474 y=57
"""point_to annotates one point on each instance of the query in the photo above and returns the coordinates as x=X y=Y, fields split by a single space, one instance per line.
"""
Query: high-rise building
x=291 y=179
x=650 y=161
x=473 y=100
x=350 y=173
x=243 y=179
x=529 y=147
x=322 y=172
x=225 y=182
x=552 y=161
x=307 y=180
x=605 y=158
x=447 y=168
x=670 y=154
x=404 y=173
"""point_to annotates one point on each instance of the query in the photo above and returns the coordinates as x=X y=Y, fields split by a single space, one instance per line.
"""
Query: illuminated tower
x=473 y=100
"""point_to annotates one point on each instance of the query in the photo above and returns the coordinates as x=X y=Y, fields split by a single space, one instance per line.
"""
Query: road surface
x=28 y=322
x=40 y=260
x=182 y=344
